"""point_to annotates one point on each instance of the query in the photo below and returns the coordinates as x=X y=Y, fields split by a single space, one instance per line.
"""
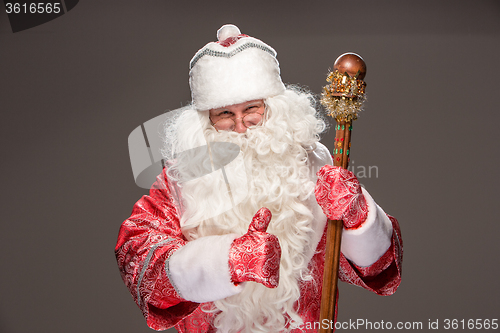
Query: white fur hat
x=236 y=69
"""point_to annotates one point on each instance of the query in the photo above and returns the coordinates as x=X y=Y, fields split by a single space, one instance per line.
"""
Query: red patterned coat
x=153 y=233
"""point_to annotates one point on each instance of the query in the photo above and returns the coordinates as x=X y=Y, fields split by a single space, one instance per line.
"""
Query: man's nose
x=239 y=126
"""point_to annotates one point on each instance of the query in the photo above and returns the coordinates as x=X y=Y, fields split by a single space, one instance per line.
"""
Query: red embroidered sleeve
x=145 y=242
x=382 y=277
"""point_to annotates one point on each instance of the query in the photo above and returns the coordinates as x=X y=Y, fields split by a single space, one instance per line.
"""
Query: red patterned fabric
x=145 y=241
x=339 y=194
x=152 y=234
x=256 y=255
x=231 y=40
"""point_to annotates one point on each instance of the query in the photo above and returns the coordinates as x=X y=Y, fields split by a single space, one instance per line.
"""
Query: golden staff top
x=345 y=94
x=343 y=98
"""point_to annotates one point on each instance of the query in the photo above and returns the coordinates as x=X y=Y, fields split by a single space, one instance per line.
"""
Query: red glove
x=255 y=256
x=339 y=194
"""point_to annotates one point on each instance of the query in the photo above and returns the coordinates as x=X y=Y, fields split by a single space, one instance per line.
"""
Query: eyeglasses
x=227 y=123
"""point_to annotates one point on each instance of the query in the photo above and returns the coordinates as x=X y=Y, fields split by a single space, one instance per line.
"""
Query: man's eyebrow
x=257 y=103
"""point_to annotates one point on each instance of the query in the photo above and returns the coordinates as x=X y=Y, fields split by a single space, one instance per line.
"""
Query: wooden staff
x=343 y=98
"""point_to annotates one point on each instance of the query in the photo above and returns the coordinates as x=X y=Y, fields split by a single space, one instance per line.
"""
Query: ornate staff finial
x=345 y=94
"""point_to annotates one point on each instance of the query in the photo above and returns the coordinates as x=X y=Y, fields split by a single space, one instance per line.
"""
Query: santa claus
x=232 y=235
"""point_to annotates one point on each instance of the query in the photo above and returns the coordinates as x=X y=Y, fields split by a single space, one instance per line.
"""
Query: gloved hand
x=339 y=194
x=255 y=256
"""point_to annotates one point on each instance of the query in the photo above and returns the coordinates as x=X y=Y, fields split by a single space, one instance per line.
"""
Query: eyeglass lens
x=228 y=124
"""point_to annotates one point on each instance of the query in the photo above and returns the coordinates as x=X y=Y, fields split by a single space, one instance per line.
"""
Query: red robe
x=153 y=233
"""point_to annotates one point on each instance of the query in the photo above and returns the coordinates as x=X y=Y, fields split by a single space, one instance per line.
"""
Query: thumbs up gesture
x=255 y=256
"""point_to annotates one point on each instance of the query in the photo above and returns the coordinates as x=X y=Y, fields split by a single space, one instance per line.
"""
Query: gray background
x=73 y=89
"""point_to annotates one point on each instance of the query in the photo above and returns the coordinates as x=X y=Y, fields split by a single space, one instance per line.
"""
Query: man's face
x=238 y=117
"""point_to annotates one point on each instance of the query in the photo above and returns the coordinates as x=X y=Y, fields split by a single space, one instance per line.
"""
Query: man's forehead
x=240 y=105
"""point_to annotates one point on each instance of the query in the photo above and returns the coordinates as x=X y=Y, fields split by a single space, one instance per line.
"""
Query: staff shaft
x=341 y=154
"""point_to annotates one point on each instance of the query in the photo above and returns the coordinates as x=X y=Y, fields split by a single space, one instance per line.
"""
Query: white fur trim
x=245 y=71
x=200 y=269
x=365 y=245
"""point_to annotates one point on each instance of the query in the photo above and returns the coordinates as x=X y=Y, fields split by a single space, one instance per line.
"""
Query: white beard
x=274 y=172
x=278 y=178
